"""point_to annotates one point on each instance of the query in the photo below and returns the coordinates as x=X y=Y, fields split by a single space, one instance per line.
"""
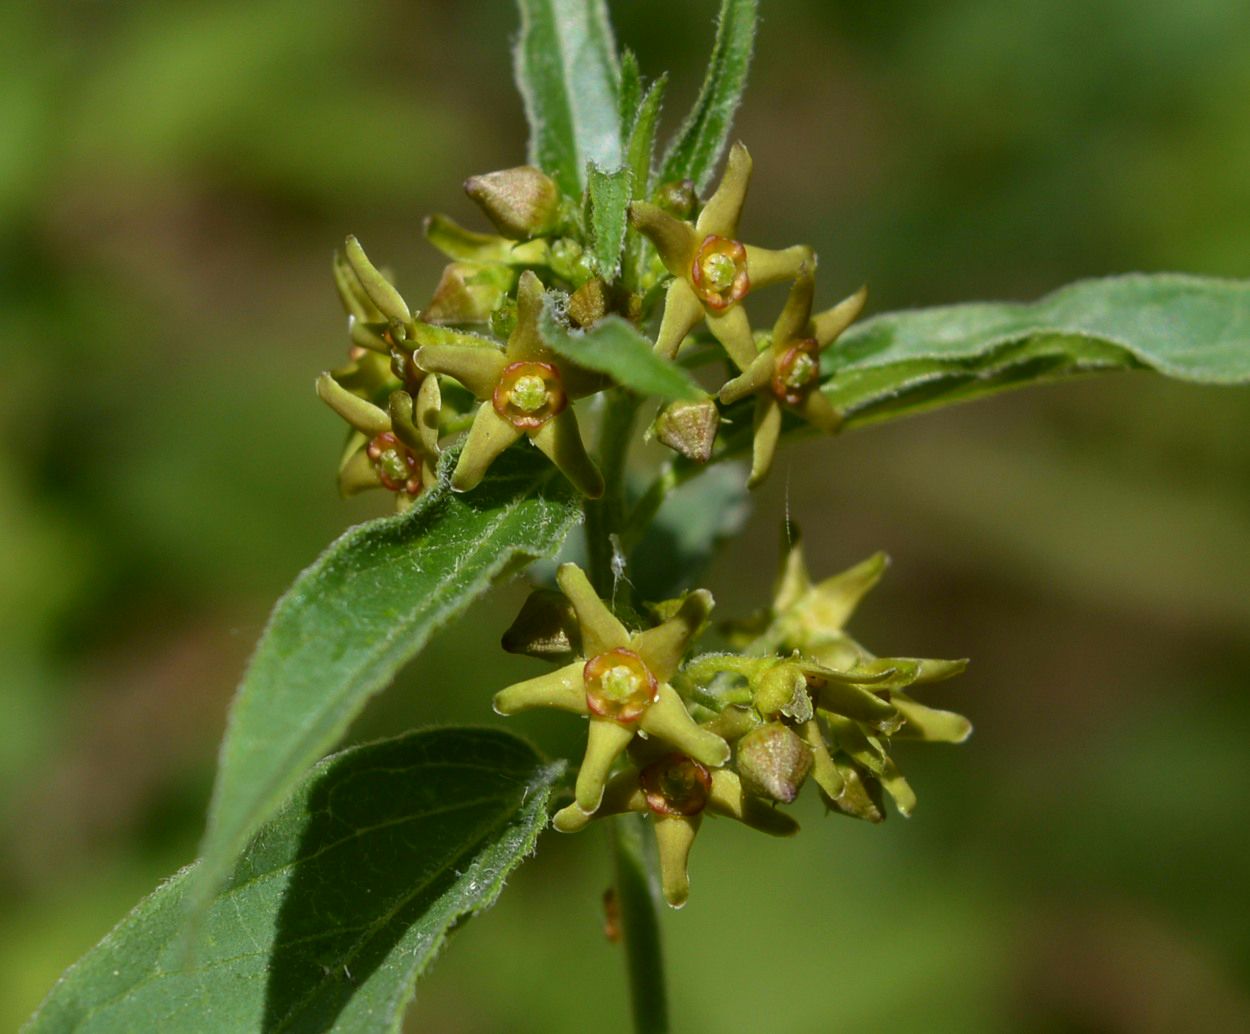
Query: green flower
x=621 y=683
x=787 y=372
x=713 y=272
x=676 y=791
x=526 y=390
x=394 y=448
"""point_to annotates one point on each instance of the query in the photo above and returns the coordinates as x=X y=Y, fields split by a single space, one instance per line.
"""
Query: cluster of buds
x=734 y=733
x=479 y=334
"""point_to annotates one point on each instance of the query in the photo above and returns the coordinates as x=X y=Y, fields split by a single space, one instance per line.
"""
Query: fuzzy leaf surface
x=615 y=347
x=701 y=140
x=568 y=74
x=365 y=607
x=607 y=214
x=1187 y=327
x=338 y=905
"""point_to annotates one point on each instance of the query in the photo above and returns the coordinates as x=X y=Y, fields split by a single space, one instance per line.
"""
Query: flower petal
x=477 y=367
x=663 y=647
x=562 y=689
x=765 y=266
x=488 y=437
x=764 y=445
x=682 y=313
x=797 y=313
x=357 y=474
x=669 y=720
x=362 y=415
x=526 y=344
x=818 y=411
x=674 y=836
x=606 y=740
x=676 y=241
x=721 y=213
x=755 y=378
x=732 y=328
x=561 y=439
x=826 y=326
x=600 y=629
x=929 y=723
x=380 y=290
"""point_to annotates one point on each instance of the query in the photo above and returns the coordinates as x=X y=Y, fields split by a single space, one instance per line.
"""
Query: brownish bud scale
x=467 y=293
x=773 y=762
x=689 y=428
x=523 y=202
x=678 y=198
x=589 y=303
x=546 y=627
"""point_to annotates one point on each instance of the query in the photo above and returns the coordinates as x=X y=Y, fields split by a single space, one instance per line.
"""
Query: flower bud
x=773 y=762
x=589 y=303
x=467 y=293
x=689 y=428
x=546 y=627
x=523 y=202
x=678 y=198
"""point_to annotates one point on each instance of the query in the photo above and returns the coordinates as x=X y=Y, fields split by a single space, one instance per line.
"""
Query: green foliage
x=329 y=916
x=607 y=207
x=1190 y=328
x=567 y=72
x=613 y=346
x=366 y=607
x=701 y=140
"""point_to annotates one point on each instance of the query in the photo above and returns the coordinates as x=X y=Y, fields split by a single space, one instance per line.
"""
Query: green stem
x=605 y=517
x=638 y=899
x=634 y=866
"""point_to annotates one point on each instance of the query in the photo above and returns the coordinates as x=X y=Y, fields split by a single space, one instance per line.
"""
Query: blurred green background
x=173 y=178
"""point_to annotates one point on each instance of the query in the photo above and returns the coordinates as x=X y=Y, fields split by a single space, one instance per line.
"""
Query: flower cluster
x=479 y=346
x=732 y=733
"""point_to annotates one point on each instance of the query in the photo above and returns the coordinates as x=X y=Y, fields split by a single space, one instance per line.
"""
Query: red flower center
x=398 y=467
x=619 y=685
x=797 y=372
x=719 y=272
x=676 y=785
x=529 y=394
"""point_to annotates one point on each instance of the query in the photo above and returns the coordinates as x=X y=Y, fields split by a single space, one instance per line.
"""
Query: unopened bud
x=773 y=762
x=589 y=303
x=466 y=293
x=523 y=202
x=689 y=428
x=678 y=198
x=546 y=627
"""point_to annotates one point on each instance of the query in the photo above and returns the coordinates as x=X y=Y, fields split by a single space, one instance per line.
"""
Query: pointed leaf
x=607 y=209
x=697 y=148
x=1191 y=328
x=615 y=347
x=567 y=72
x=338 y=905
x=351 y=620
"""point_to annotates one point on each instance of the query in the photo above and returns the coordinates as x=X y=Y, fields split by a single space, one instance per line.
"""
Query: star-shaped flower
x=394 y=448
x=621 y=683
x=712 y=272
x=676 y=790
x=525 y=390
x=787 y=372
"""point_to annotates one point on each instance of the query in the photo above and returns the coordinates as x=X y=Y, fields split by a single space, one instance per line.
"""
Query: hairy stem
x=638 y=899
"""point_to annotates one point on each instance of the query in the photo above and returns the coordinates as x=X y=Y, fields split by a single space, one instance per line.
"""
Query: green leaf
x=1190 y=328
x=607 y=214
x=338 y=905
x=630 y=92
x=699 y=143
x=640 y=144
x=567 y=72
x=615 y=347
x=351 y=620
